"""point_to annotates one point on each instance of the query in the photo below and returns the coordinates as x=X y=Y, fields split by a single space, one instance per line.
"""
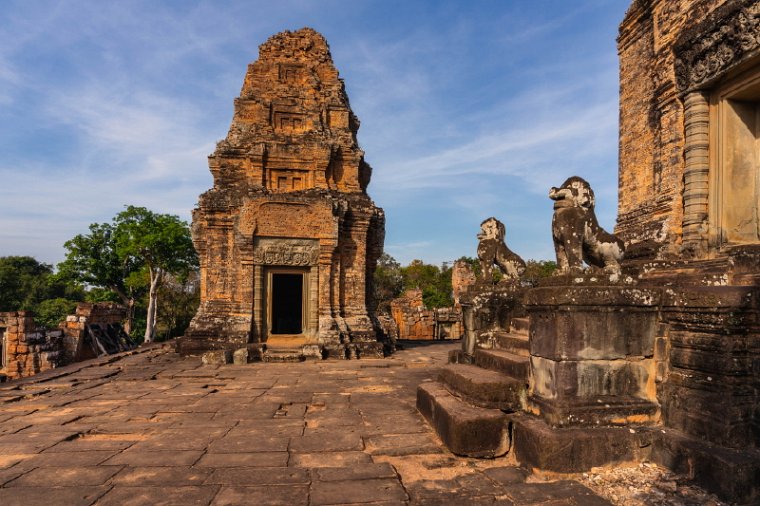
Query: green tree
x=180 y=296
x=388 y=282
x=50 y=312
x=535 y=270
x=434 y=282
x=23 y=282
x=26 y=284
x=161 y=244
x=93 y=259
x=132 y=256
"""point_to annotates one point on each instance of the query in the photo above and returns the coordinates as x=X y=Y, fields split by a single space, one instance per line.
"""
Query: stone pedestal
x=487 y=312
x=592 y=355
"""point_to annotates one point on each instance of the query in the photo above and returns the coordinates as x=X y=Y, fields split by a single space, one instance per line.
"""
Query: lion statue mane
x=492 y=250
x=576 y=231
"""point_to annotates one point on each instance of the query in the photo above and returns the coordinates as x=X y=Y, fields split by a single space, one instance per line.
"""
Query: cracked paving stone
x=330 y=442
x=159 y=496
x=356 y=491
x=143 y=476
x=356 y=472
x=242 y=476
x=45 y=496
x=328 y=459
x=260 y=459
x=271 y=495
x=155 y=459
x=567 y=490
x=65 y=476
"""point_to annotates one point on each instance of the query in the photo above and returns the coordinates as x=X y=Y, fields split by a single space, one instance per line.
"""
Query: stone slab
x=573 y=450
x=505 y=362
x=732 y=474
x=247 y=476
x=159 y=496
x=466 y=430
x=356 y=491
x=43 y=495
x=271 y=495
x=483 y=387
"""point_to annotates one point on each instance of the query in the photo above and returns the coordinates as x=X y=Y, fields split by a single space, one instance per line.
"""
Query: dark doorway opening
x=287 y=303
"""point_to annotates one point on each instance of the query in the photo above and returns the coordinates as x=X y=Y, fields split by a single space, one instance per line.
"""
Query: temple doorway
x=286 y=302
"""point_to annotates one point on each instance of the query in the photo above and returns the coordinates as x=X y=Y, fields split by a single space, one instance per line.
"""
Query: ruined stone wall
x=416 y=322
x=74 y=328
x=462 y=278
x=652 y=131
x=28 y=349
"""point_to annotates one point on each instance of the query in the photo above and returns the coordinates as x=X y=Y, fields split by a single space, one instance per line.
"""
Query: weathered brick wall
x=74 y=328
x=651 y=152
x=416 y=322
x=29 y=349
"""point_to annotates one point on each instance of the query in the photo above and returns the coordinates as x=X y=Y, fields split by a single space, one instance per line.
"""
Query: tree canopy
x=391 y=279
x=131 y=256
x=26 y=284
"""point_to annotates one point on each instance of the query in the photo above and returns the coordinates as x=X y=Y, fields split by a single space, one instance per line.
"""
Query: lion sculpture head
x=574 y=192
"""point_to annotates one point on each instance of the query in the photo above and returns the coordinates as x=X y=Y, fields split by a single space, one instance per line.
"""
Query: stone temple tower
x=288 y=238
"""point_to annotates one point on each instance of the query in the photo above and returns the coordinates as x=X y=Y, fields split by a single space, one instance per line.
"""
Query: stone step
x=520 y=326
x=483 y=387
x=537 y=444
x=464 y=429
x=283 y=355
x=509 y=341
x=505 y=362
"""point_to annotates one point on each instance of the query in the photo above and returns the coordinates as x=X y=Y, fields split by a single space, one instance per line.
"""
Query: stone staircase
x=469 y=402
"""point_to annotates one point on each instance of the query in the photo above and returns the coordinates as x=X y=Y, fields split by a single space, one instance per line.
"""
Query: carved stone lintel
x=711 y=48
x=286 y=252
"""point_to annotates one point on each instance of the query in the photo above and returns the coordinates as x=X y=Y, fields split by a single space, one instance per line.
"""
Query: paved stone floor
x=154 y=428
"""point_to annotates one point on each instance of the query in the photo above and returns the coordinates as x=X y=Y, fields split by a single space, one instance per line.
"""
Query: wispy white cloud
x=140 y=91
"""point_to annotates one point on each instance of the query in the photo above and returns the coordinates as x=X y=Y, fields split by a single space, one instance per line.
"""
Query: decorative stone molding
x=696 y=173
x=287 y=252
x=723 y=40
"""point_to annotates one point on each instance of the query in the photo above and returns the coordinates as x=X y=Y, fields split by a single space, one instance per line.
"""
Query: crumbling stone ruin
x=462 y=278
x=288 y=237
x=93 y=330
x=414 y=321
x=26 y=349
x=657 y=358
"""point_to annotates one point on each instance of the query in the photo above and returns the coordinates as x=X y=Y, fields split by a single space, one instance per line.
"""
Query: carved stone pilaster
x=696 y=173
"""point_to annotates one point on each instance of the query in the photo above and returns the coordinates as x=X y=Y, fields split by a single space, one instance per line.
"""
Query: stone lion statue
x=492 y=250
x=577 y=234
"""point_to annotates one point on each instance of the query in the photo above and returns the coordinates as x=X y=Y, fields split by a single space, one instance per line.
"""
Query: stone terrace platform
x=150 y=427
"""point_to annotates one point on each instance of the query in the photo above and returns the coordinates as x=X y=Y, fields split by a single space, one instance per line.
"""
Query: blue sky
x=468 y=109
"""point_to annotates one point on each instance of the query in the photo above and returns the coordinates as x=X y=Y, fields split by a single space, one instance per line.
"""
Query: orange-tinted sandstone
x=288 y=237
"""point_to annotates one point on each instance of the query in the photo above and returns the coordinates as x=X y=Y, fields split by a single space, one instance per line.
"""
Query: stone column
x=259 y=305
x=696 y=173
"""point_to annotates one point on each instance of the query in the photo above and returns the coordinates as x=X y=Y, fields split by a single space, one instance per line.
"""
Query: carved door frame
x=306 y=301
x=719 y=104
